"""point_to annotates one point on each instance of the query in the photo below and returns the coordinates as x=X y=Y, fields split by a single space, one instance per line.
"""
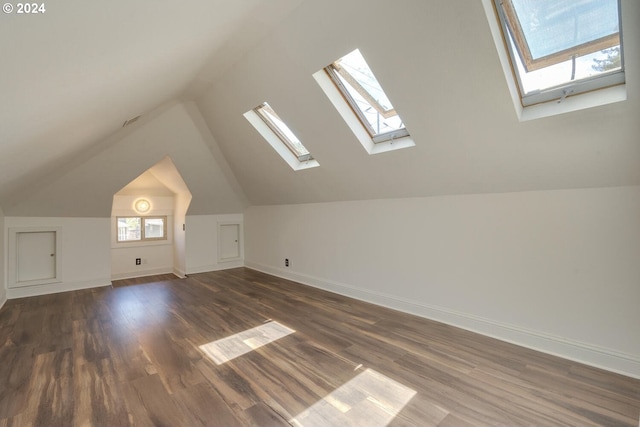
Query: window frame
x=297 y=163
x=530 y=64
x=304 y=157
x=143 y=237
x=333 y=71
x=560 y=92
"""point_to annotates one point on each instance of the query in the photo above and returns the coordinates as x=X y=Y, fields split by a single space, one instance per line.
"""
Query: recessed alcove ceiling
x=146 y=184
x=82 y=68
x=161 y=179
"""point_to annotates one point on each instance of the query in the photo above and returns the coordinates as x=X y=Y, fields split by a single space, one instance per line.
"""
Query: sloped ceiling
x=86 y=189
x=438 y=64
x=72 y=76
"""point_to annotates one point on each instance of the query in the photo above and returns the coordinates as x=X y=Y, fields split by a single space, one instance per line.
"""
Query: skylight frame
x=532 y=64
x=604 y=80
x=336 y=72
x=275 y=140
x=282 y=133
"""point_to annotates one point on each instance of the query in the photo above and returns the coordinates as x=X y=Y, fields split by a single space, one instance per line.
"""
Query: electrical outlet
x=286 y=262
x=138 y=261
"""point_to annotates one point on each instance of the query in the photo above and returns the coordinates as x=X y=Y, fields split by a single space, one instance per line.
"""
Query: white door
x=36 y=256
x=229 y=242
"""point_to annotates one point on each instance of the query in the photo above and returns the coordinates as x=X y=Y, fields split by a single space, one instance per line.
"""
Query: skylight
x=281 y=138
x=356 y=81
x=560 y=48
x=283 y=132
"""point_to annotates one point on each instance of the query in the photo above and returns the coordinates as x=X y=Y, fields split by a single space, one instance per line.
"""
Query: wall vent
x=128 y=122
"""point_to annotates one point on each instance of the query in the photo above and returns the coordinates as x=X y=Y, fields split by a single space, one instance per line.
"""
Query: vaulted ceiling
x=72 y=76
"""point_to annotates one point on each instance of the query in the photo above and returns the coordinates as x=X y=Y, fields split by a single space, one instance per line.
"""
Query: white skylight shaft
x=280 y=128
x=356 y=80
x=280 y=137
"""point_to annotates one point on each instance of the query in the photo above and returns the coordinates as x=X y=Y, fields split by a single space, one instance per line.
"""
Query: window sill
x=124 y=245
x=578 y=102
x=383 y=147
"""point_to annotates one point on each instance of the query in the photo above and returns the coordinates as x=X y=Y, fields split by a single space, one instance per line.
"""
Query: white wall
x=156 y=259
x=3 y=279
x=157 y=256
x=552 y=270
x=181 y=204
x=85 y=259
x=202 y=242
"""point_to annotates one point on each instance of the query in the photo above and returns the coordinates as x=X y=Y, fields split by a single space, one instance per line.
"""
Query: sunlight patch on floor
x=369 y=399
x=229 y=348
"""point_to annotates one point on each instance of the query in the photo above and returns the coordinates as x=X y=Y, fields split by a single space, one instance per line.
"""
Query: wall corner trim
x=588 y=354
x=180 y=273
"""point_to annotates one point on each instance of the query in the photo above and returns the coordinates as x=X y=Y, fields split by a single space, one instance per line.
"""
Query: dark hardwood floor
x=239 y=347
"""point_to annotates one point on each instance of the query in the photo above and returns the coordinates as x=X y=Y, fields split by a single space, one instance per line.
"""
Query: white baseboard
x=180 y=273
x=54 y=288
x=215 y=267
x=3 y=299
x=588 y=354
x=141 y=273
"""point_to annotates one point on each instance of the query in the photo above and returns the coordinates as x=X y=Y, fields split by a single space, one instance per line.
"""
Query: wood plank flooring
x=131 y=356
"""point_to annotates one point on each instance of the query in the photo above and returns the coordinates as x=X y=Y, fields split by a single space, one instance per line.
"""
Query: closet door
x=36 y=256
x=228 y=242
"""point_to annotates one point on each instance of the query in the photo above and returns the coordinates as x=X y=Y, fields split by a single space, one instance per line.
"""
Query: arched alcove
x=148 y=224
